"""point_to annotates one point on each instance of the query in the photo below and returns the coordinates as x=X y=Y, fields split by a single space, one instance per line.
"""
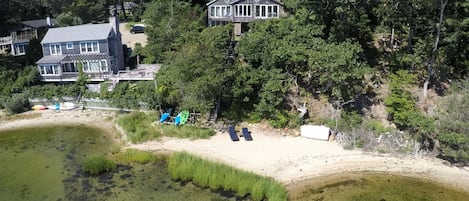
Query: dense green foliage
x=453 y=123
x=186 y=167
x=135 y=156
x=140 y=127
x=342 y=51
x=98 y=164
x=401 y=105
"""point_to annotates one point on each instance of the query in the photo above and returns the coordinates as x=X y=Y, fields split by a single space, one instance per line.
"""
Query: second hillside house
x=241 y=12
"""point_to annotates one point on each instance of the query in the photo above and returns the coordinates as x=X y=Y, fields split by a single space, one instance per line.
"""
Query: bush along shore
x=140 y=128
x=186 y=167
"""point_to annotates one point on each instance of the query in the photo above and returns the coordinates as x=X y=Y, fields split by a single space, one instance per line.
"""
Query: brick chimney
x=114 y=22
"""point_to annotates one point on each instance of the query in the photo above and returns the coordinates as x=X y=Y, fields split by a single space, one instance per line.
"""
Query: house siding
x=213 y=18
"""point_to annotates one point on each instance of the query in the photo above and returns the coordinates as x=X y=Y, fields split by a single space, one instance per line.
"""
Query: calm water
x=373 y=187
x=45 y=164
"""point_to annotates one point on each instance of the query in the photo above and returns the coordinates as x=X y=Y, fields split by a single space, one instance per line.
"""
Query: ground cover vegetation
x=405 y=56
x=98 y=164
x=141 y=127
x=186 y=167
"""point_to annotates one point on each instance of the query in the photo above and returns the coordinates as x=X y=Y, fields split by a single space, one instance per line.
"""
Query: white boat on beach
x=63 y=106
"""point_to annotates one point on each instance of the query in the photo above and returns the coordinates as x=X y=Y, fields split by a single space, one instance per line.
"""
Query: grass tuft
x=135 y=156
x=186 y=167
x=98 y=164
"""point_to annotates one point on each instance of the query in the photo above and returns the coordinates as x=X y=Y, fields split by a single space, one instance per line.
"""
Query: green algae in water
x=45 y=164
x=374 y=187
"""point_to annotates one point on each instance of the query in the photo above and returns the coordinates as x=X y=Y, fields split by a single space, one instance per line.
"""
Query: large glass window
x=89 y=47
x=69 y=68
x=49 y=70
x=55 y=49
x=104 y=67
x=95 y=66
x=266 y=11
x=20 y=49
x=220 y=11
x=243 y=10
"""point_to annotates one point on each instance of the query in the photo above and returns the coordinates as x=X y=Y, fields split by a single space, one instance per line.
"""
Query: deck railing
x=5 y=40
x=97 y=77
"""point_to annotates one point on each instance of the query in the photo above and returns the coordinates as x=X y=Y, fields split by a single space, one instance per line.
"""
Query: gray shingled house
x=96 y=47
x=18 y=40
x=241 y=12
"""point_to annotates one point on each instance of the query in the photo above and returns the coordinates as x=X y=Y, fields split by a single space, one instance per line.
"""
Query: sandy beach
x=287 y=159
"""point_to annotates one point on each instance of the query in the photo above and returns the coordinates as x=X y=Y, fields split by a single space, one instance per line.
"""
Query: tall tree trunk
x=435 y=48
x=123 y=10
x=410 y=36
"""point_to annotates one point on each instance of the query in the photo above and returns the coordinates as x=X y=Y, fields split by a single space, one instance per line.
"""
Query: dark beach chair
x=247 y=134
x=233 y=135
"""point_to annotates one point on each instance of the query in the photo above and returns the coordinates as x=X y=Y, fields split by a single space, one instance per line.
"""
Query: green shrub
x=350 y=119
x=98 y=164
x=137 y=126
x=18 y=103
x=376 y=126
x=279 y=120
x=135 y=156
x=186 y=167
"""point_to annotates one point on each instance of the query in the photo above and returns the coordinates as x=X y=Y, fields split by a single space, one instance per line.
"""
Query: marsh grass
x=135 y=156
x=186 y=167
x=98 y=164
x=140 y=127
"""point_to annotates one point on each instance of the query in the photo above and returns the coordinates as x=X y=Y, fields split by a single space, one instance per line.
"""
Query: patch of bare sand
x=291 y=159
x=287 y=159
x=100 y=119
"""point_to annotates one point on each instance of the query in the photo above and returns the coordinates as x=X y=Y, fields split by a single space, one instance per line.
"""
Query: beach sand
x=287 y=159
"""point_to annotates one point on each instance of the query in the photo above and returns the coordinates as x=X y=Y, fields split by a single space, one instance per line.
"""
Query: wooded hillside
x=378 y=66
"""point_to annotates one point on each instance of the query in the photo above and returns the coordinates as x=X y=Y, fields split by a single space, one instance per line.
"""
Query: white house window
x=55 y=49
x=69 y=46
x=267 y=11
x=20 y=49
x=49 y=70
x=69 y=68
x=95 y=66
x=104 y=67
x=242 y=10
x=89 y=47
x=220 y=11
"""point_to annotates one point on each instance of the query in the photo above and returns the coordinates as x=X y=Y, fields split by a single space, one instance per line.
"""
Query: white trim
x=267 y=11
x=69 y=45
x=220 y=11
x=243 y=10
x=89 y=47
x=54 y=50
x=50 y=69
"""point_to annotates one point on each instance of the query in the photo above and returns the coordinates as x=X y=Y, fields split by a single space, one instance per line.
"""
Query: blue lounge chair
x=247 y=134
x=233 y=135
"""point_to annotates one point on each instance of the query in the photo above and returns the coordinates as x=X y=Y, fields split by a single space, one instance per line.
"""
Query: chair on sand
x=233 y=135
x=247 y=134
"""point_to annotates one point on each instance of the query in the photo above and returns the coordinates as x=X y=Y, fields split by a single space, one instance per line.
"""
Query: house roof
x=84 y=32
x=40 y=23
x=56 y=59
x=51 y=59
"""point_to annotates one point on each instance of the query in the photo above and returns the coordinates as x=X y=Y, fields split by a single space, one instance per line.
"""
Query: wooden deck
x=143 y=72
